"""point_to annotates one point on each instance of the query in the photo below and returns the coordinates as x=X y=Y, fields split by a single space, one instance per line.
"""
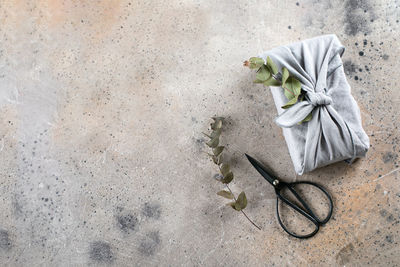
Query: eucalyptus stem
x=269 y=75
x=276 y=76
x=226 y=175
x=247 y=217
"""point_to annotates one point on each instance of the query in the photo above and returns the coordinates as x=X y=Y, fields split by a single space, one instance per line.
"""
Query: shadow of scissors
x=302 y=209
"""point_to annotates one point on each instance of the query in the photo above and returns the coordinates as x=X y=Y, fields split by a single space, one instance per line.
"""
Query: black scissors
x=303 y=209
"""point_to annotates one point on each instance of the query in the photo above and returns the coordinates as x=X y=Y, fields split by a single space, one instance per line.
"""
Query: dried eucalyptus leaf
x=224 y=168
x=258 y=81
x=216 y=125
x=241 y=201
x=285 y=75
x=218 y=118
x=219 y=160
x=235 y=205
x=232 y=204
x=290 y=103
x=272 y=66
x=209 y=136
x=263 y=73
x=213 y=142
x=216 y=133
x=255 y=62
x=214 y=158
x=225 y=194
x=271 y=82
x=228 y=178
x=292 y=88
x=218 y=150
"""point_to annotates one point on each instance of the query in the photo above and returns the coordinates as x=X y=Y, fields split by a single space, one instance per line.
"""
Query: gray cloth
x=335 y=132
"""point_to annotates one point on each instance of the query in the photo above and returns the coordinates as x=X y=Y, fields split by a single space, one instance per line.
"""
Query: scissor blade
x=261 y=169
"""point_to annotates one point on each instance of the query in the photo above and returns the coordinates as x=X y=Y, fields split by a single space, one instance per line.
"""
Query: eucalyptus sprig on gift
x=226 y=175
x=268 y=74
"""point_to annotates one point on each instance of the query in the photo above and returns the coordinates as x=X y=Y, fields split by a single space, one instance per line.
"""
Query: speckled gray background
x=102 y=105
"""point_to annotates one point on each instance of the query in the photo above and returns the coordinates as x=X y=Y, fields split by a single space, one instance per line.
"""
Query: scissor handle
x=305 y=210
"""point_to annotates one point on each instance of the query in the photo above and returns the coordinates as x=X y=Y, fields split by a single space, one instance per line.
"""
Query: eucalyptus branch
x=247 y=217
x=268 y=74
x=226 y=175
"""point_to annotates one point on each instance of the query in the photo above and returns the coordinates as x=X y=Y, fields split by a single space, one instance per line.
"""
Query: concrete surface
x=102 y=108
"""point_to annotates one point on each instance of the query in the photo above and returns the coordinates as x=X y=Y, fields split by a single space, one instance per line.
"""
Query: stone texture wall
x=102 y=105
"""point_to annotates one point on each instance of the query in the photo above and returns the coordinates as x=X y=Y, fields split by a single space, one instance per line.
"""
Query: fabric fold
x=335 y=132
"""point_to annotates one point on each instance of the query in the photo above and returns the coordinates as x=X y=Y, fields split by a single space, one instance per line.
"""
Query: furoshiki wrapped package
x=335 y=132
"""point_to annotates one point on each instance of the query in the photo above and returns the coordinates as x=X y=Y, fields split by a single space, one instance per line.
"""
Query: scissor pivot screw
x=275 y=182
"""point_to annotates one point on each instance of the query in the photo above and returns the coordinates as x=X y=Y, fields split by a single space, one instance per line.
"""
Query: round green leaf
x=255 y=62
x=292 y=88
x=263 y=73
x=272 y=66
x=285 y=75
x=241 y=201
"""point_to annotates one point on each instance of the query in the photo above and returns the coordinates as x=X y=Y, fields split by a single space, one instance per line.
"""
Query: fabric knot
x=318 y=99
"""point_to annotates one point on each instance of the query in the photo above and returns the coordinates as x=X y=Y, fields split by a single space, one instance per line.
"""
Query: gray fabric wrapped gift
x=335 y=132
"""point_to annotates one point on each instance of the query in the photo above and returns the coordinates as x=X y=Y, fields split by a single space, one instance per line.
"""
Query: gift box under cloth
x=335 y=132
